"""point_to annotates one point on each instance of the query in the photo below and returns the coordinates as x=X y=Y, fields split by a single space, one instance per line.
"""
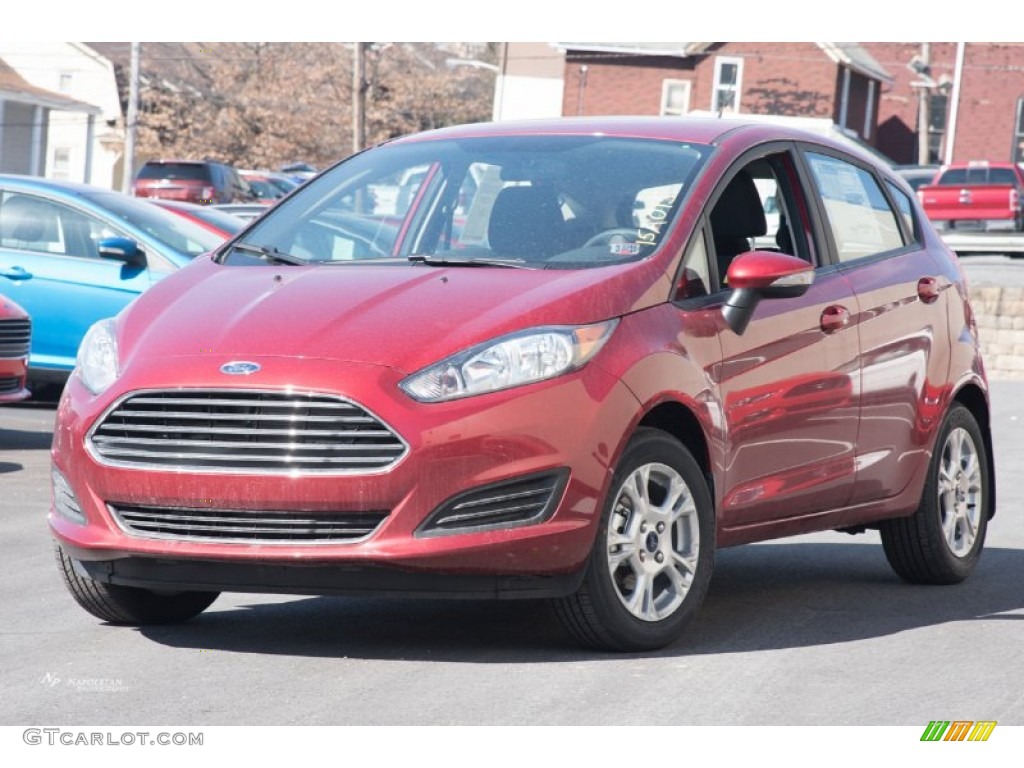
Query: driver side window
x=757 y=210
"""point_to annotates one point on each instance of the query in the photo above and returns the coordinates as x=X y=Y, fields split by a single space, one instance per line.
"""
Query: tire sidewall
x=931 y=511
x=646 y=447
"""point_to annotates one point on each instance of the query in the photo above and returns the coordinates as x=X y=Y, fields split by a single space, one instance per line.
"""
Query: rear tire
x=942 y=541
x=130 y=605
x=652 y=559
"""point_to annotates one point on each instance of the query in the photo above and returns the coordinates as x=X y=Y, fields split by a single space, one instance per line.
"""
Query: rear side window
x=860 y=218
x=183 y=171
x=905 y=208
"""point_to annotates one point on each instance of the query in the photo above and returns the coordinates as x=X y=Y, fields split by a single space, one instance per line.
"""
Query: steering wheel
x=608 y=236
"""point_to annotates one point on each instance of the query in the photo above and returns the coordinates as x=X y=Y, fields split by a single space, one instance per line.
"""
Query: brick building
x=989 y=120
x=872 y=89
x=838 y=81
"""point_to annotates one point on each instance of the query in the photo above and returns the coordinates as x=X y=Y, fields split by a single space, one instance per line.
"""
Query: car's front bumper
x=12 y=379
x=574 y=425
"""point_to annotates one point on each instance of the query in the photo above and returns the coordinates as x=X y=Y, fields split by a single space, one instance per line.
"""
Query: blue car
x=72 y=254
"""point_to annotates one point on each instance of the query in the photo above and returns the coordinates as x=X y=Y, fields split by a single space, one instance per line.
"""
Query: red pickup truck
x=976 y=196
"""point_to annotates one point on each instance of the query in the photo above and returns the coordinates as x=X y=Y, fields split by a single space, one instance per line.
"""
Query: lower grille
x=14 y=338
x=9 y=384
x=524 y=501
x=245 y=526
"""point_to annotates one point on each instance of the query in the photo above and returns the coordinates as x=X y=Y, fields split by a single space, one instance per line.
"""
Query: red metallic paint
x=13 y=367
x=804 y=430
x=759 y=269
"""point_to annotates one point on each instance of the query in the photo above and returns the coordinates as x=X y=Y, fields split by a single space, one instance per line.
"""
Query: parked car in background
x=203 y=182
x=245 y=212
x=916 y=176
x=976 y=197
x=516 y=388
x=267 y=186
x=220 y=223
x=15 y=335
x=299 y=172
x=72 y=254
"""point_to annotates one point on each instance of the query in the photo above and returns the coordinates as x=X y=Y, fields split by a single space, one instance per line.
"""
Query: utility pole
x=128 y=159
x=359 y=87
x=924 y=112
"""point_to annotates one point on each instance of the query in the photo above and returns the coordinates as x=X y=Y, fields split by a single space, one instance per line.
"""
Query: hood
x=401 y=316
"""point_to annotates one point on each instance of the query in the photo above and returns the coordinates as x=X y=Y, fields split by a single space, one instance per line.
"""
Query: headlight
x=96 y=364
x=510 y=361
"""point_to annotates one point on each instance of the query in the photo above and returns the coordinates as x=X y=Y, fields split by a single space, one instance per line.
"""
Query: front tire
x=130 y=605
x=651 y=563
x=942 y=541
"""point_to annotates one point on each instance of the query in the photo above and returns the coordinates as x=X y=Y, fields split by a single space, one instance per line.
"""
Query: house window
x=1018 y=133
x=725 y=97
x=65 y=82
x=675 y=97
x=939 y=98
x=61 y=163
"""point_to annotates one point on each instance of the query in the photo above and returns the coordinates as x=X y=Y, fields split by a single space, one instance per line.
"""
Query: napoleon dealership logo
x=958 y=730
x=239 y=368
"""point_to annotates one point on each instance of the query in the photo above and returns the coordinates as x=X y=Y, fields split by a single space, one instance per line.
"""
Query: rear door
x=872 y=232
x=789 y=383
x=50 y=266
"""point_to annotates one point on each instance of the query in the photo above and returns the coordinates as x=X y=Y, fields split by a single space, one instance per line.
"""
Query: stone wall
x=999 y=312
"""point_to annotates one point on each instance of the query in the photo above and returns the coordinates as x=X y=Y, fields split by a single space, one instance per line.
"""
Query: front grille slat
x=131 y=441
x=245 y=431
x=269 y=432
x=245 y=526
x=215 y=416
x=15 y=338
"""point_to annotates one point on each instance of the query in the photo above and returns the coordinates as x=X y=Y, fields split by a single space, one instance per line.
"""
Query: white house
x=84 y=138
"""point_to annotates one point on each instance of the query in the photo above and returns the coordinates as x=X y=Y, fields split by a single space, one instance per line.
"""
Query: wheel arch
x=973 y=398
x=674 y=418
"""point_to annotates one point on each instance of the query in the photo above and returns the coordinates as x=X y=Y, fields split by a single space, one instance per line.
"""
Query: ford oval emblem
x=239 y=368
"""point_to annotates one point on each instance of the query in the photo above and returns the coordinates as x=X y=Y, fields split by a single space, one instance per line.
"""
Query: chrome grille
x=14 y=337
x=9 y=384
x=248 y=526
x=244 y=431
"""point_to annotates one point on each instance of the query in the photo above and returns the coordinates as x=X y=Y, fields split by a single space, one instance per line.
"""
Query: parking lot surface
x=807 y=631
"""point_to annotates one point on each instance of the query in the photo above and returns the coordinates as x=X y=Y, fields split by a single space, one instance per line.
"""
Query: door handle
x=928 y=289
x=15 y=273
x=834 y=318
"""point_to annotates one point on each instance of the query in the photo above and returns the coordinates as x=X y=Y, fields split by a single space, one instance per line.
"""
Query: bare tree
x=263 y=104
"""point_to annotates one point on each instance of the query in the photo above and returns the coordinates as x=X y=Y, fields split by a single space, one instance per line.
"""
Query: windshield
x=562 y=202
x=169 y=229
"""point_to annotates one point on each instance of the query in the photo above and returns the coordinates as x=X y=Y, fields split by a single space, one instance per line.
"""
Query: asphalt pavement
x=814 y=630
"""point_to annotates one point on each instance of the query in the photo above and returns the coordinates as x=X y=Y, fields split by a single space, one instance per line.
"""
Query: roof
x=818 y=126
x=691 y=128
x=14 y=87
x=851 y=55
x=682 y=50
x=854 y=56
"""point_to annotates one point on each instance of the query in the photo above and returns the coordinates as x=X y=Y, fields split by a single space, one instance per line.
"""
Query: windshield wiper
x=271 y=254
x=449 y=261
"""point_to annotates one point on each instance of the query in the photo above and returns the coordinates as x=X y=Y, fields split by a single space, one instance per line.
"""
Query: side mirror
x=121 y=249
x=763 y=275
